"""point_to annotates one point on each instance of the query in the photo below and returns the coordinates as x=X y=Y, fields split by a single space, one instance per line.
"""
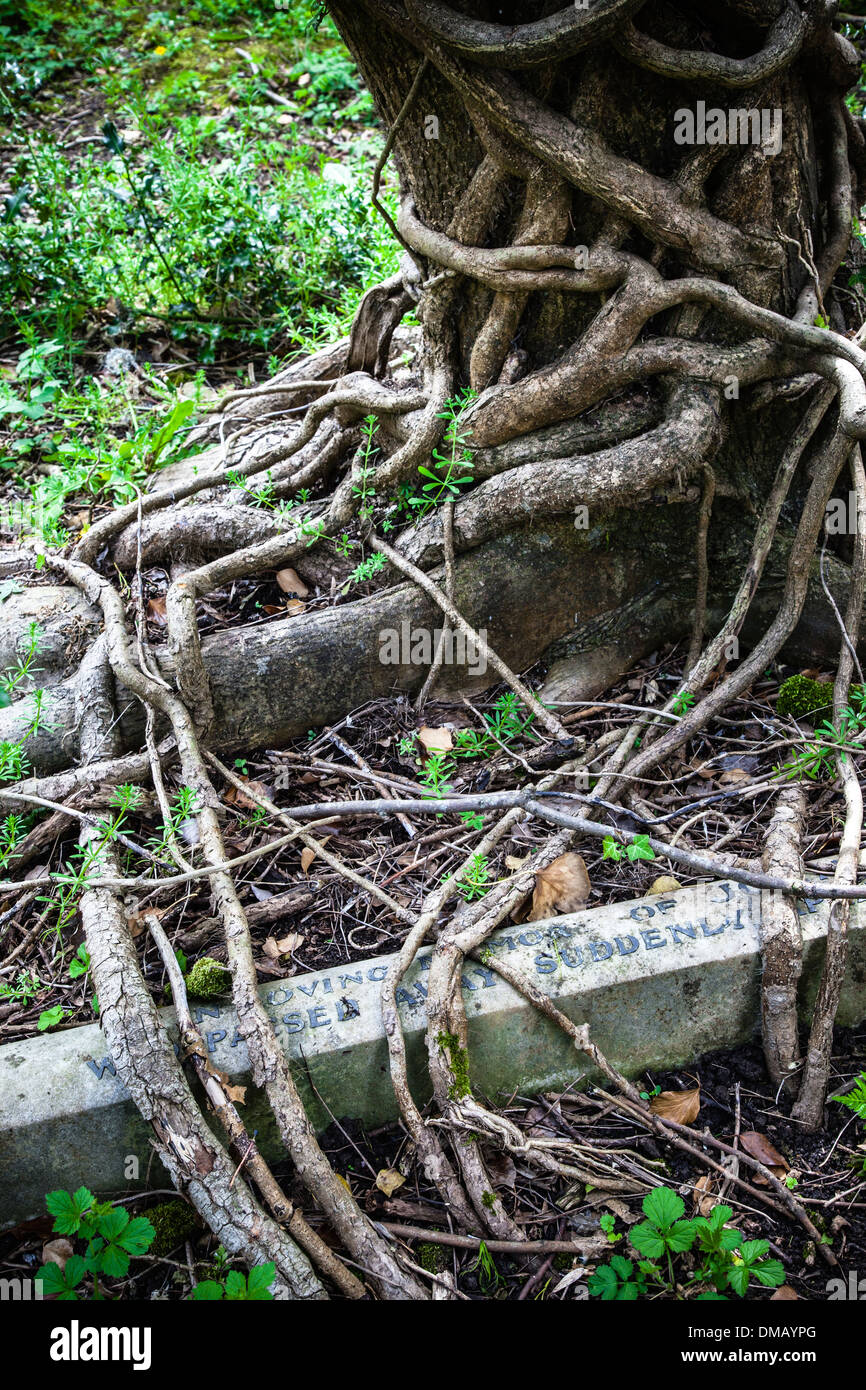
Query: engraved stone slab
x=660 y=980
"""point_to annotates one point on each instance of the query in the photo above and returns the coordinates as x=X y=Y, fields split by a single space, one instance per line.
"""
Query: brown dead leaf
x=701 y=769
x=680 y=1106
x=294 y=606
x=703 y=1196
x=732 y=775
x=307 y=857
x=513 y=863
x=57 y=1252
x=237 y=1094
x=758 y=1146
x=292 y=941
x=291 y=583
x=664 y=884
x=388 y=1180
x=784 y=1294
x=436 y=740
x=501 y=1168
x=235 y=797
x=563 y=886
x=286 y=944
x=156 y=611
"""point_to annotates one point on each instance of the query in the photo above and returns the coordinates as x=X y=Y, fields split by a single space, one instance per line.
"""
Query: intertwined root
x=686 y=284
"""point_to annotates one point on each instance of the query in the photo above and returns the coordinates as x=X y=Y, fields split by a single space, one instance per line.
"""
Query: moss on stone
x=173 y=1222
x=431 y=1257
x=800 y=696
x=458 y=1061
x=208 y=979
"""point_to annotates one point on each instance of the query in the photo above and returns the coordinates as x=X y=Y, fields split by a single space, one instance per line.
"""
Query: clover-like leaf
x=68 y=1208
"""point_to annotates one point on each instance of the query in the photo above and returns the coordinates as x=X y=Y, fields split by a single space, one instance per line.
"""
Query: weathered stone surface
x=660 y=980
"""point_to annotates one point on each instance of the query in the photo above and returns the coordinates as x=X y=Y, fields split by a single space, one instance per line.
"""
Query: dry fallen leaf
x=732 y=775
x=57 y=1252
x=237 y=1094
x=783 y=1294
x=294 y=606
x=703 y=1196
x=388 y=1180
x=571 y=1278
x=758 y=1146
x=235 y=797
x=307 y=857
x=156 y=611
x=291 y=942
x=436 y=740
x=501 y=1168
x=291 y=583
x=286 y=944
x=664 y=884
x=679 y=1106
x=512 y=862
x=563 y=886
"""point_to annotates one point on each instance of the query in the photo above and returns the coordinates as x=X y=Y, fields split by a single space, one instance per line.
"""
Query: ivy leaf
x=640 y=848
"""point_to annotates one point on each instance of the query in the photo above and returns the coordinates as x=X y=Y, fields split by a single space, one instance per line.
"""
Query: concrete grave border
x=660 y=980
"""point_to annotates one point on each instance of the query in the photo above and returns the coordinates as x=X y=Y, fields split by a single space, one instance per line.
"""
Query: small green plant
x=235 y=1287
x=488 y=1275
x=183 y=809
x=363 y=488
x=86 y=859
x=366 y=569
x=454 y=467
x=855 y=1099
x=24 y=988
x=608 y=1224
x=80 y=963
x=504 y=724
x=49 y=1018
x=720 y=1258
x=817 y=757
x=639 y=848
x=111 y=1237
x=682 y=702
x=435 y=773
x=474 y=881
